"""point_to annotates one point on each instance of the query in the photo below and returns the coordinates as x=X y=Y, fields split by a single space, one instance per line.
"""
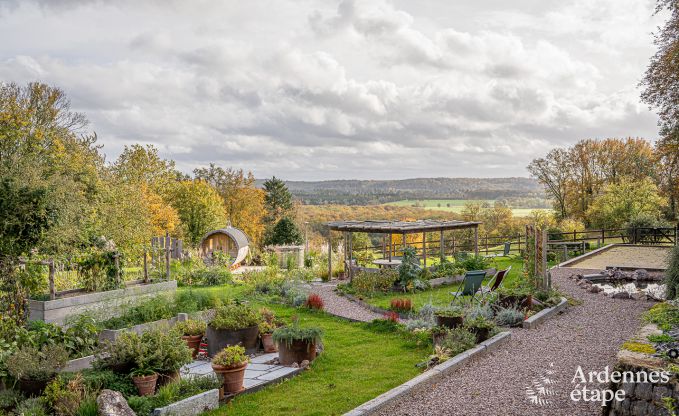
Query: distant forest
x=369 y=192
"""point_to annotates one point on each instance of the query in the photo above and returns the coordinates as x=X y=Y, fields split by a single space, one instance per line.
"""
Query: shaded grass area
x=440 y=296
x=357 y=364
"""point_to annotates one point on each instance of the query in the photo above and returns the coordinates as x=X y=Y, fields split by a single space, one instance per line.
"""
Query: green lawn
x=356 y=366
x=456 y=205
x=441 y=296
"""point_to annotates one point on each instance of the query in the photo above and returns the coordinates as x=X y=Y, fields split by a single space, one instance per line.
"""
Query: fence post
x=167 y=255
x=53 y=291
x=603 y=237
x=486 y=243
x=146 y=268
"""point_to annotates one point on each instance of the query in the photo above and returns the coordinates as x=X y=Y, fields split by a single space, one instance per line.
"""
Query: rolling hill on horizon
x=366 y=192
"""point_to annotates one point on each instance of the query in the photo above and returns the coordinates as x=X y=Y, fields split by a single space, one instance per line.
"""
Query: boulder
x=112 y=403
x=640 y=274
x=621 y=295
x=595 y=289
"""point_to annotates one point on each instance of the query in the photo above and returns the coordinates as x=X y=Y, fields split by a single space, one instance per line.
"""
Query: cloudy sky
x=325 y=89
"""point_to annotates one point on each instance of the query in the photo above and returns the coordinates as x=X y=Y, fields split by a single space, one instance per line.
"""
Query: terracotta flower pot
x=449 y=321
x=146 y=385
x=267 y=342
x=193 y=342
x=296 y=352
x=232 y=377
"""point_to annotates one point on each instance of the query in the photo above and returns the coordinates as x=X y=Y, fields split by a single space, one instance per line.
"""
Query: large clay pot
x=146 y=385
x=193 y=342
x=482 y=334
x=268 y=344
x=232 y=377
x=33 y=388
x=218 y=339
x=296 y=352
x=449 y=321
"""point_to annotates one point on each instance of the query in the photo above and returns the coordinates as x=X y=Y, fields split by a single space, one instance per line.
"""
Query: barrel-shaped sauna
x=230 y=240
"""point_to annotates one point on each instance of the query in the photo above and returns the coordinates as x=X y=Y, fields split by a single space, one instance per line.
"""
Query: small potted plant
x=34 y=369
x=192 y=333
x=145 y=379
x=230 y=364
x=296 y=344
x=481 y=327
x=450 y=317
x=266 y=327
x=233 y=324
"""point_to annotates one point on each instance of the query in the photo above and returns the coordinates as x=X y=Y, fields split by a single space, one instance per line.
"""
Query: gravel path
x=340 y=306
x=587 y=335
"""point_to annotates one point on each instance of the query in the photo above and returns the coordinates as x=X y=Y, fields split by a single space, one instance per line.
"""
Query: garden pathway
x=341 y=306
x=586 y=335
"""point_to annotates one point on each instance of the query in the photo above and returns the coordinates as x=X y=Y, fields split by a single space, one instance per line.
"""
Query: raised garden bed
x=104 y=304
x=112 y=334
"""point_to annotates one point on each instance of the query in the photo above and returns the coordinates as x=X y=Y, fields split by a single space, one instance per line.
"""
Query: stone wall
x=643 y=399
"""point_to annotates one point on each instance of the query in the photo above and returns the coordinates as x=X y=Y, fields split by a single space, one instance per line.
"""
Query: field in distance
x=456 y=205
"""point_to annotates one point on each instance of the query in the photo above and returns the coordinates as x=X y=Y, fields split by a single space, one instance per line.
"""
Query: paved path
x=341 y=306
x=588 y=335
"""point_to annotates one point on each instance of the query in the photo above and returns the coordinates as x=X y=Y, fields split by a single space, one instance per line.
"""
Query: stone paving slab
x=257 y=372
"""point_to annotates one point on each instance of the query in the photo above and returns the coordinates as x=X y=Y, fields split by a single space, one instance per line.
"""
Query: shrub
x=479 y=322
x=660 y=338
x=289 y=334
x=447 y=268
x=314 y=301
x=475 y=263
x=672 y=274
x=370 y=282
x=638 y=347
x=10 y=398
x=31 y=407
x=191 y=327
x=96 y=380
x=509 y=317
x=410 y=272
x=231 y=356
x=65 y=397
x=664 y=315
x=163 y=351
x=391 y=316
x=88 y=407
x=234 y=316
x=477 y=311
x=401 y=305
x=452 y=311
x=458 y=340
x=32 y=364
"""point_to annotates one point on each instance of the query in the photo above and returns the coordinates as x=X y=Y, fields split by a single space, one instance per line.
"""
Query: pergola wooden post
x=351 y=248
x=424 y=248
x=329 y=255
x=442 y=247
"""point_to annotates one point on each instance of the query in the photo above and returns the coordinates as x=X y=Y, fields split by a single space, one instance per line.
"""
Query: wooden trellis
x=536 y=257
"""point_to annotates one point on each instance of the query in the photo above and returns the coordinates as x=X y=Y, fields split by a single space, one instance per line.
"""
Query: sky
x=350 y=89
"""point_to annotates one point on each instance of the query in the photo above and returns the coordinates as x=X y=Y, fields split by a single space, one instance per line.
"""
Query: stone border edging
x=432 y=375
x=191 y=406
x=544 y=314
x=78 y=364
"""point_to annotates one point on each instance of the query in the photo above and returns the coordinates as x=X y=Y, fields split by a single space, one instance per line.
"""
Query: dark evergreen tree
x=284 y=232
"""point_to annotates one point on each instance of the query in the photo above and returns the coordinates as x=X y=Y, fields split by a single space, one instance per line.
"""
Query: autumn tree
x=661 y=91
x=553 y=172
x=200 y=208
x=624 y=201
x=243 y=202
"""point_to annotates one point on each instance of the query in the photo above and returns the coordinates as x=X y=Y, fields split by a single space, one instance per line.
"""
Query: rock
x=621 y=295
x=294 y=365
x=644 y=391
x=595 y=289
x=304 y=364
x=112 y=403
x=639 y=408
x=640 y=274
x=659 y=392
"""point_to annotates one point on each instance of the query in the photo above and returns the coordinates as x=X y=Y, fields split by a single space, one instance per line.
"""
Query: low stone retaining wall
x=545 y=314
x=104 y=304
x=642 y=398
x=432 y=375
x=191 y=406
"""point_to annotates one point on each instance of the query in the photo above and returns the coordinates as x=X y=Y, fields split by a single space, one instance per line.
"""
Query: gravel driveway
x=341 y=306
x=587 y=335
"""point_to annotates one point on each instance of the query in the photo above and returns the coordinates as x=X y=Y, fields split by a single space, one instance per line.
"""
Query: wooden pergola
x=402 y=228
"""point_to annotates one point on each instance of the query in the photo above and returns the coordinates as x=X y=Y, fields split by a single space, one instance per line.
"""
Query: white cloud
x=311 y=89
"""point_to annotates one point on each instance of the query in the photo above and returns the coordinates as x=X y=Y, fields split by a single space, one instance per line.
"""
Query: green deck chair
x=472 y=282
